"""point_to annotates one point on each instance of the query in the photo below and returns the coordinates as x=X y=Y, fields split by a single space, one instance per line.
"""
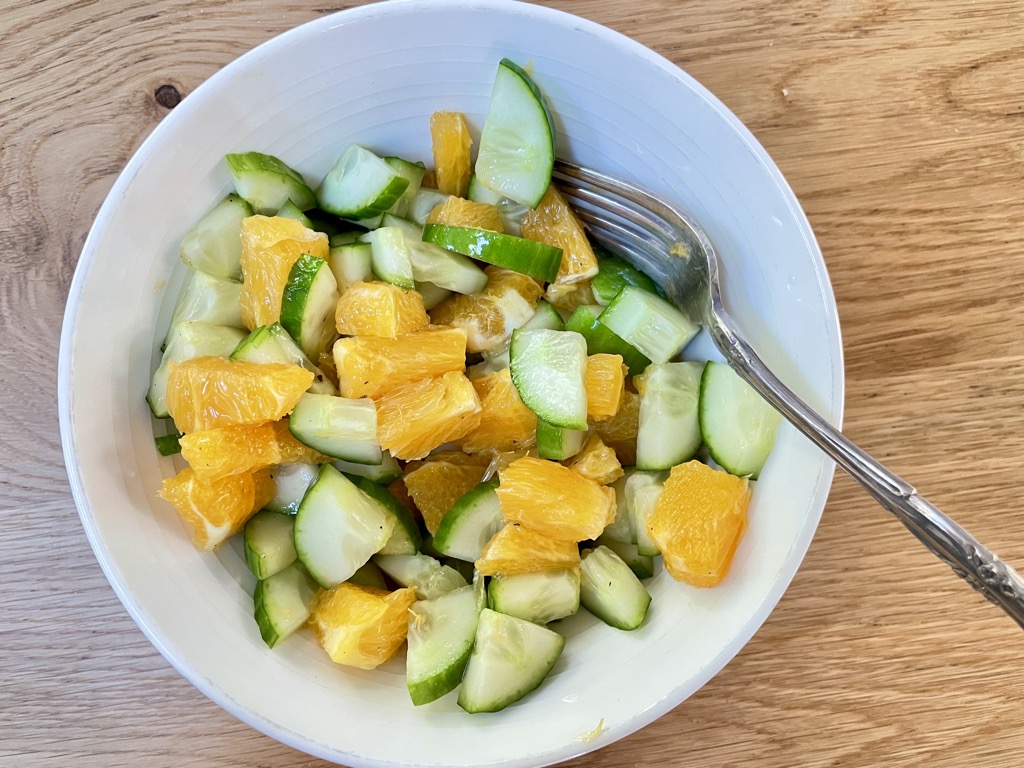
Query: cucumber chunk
x=391 y=256
x=406 y=539
x=423 y=204
x=411 y=172
x=369 y=575
x=620 y=529
x=387 y=471
x=470 y=523
x=517 y=142
x=186 y=342
x=272 y=344
x=433 y=264
x=360 y=185
x=737 y=424
x=614 y=274
x=441 y=634
x=432 y=294
x=338 y=528
x=548 y=369
x=641 y=565
x=345 y=238
x=291 y=211
x=214 y=244
x=268 y=544
x=511 y=657
x=642 y=492
x=211 y=300
x=649 y=323
x=544 y=316
x=426 y=575
x=536 y=597
x=558 y=443
x=341 y=427
x=291 y=482
x=308 y=303
x=267 y=183
x=351 y=263
x=611 y=591
x=281 y=603
x=669 y=431
x=168 y=445
x=478 y=192
x=601 y=340
x=529 y=257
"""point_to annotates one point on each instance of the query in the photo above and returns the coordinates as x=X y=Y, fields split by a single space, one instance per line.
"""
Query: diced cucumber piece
x=601 y=340
x=369 y=575
x=214 y=244
x=478 y=192
x=558 y=443
x=423 y=204
x=272 y=344
x=470 y=523
x=614 y=274
x=510 y=658
x=391 y=256
x=642 y=492
x=345 y=238
x=432 y=264
x=620 y=529
x=351 y=263
x=611 y=591
x=441 y=634
x=267 y=183
x=536 y=597
x=511 y=214
x=737 y=424
x=168 y=445
x=545 y=316
x=360 y=185
x=411 y=172
x=529 y=257
x=649 y=323
x=406 y=539
x=186 y=342
x=669 y=431
x=338 y=528
x=517 y=143
x=466 y=569
x=641 y=565
x=308 y=303
x=426 y=575
x=340 y=427
x=281 y=603
x=291 y=482
x=268 y=544
x=385 y=472
x=211 y=300
x=291 y=211
x=432 y=294
x=547 y=369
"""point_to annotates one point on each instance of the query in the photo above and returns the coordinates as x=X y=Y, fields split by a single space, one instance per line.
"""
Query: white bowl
x=373 y=75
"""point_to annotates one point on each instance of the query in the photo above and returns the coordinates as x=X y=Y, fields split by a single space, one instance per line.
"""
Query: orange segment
x=566 y=297
x=440 y=481
x=218 y=453
x=451 y=144
x=619 y=432
x=506 y=424
x=361 y=626
x=369 y=366
x=292 y=451
x=515 y=549
x=379 y=309
x=270 y=246
x=457 y=212
x=416 y=418
x=605 y=382
x=597 y=462
x=553 y=500
x=216 y=509
x=554 y=223
x=697 y=522
x=490 y=316
x=210 y=392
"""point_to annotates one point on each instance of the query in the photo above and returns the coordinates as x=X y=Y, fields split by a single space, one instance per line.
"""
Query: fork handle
x=968 y=558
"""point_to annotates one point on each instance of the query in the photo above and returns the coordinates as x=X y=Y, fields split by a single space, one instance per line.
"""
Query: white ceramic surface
x=374 y=75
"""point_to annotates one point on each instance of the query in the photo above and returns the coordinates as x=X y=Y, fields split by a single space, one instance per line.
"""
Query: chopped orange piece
x=400 y=492
x=490 y=316
x=456 y=212
x=326 y=364
x=451 y=144
x=292 y=451
x=440 y=481
x=553 y=500
x=566 y=297
x=597 y=462
x=429 y=180
x=515 y=549
x=270 y=246
x=414 y=419
x=619 y=432
x=224 y=451
x=554 y=223
x=506 y=424
x=605 y=381
x=361 y=626
x=697 y=522
x=379 y=309
x=216 y=509
x=209 y=392
x=369 y=366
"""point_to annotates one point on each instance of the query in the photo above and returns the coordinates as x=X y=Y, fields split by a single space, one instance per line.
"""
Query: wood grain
x=901 y=128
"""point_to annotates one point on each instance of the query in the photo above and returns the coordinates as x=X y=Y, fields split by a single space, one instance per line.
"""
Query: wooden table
x=901 y=128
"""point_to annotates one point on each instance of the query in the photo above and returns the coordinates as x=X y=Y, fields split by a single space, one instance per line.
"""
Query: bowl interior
x=373 y=75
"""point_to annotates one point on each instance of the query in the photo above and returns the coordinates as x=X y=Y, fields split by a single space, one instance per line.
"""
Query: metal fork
x=669 y=245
